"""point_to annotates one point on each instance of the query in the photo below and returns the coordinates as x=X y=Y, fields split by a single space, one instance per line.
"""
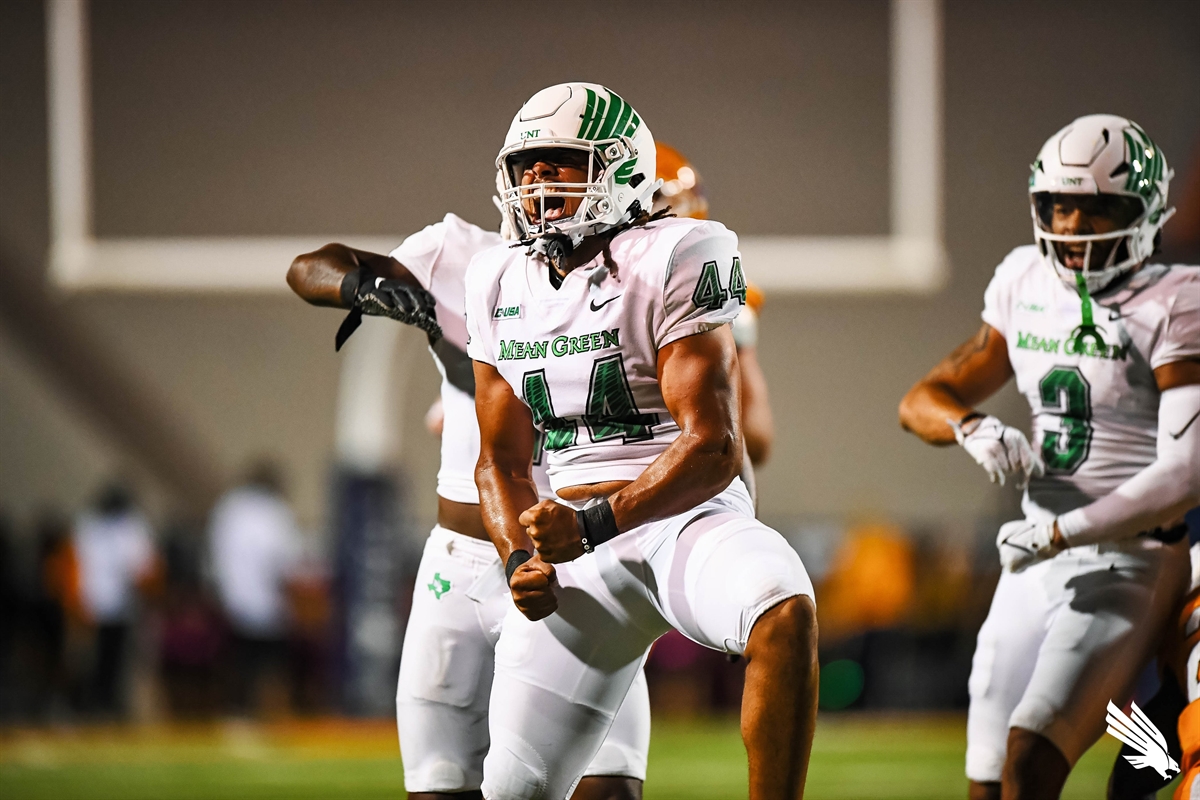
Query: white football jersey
x=1094 y=404
x=438 y=257
x=584 y=357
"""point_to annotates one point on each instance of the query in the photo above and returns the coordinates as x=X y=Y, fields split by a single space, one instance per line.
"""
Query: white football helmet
x=1101 y=154
x=621 y=162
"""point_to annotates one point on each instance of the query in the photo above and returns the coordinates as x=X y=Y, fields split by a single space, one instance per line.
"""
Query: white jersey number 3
x=1066 y=393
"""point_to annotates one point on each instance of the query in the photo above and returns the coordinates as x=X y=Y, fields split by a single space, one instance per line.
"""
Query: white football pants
x=1063 y=637
x=710 y=573
x=446 y=672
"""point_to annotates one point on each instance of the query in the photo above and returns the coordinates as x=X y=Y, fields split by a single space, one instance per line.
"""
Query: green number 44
x=710 y=294
x=611 y=410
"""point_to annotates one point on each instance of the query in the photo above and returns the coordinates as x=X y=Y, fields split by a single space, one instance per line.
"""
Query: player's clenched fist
x=554 y=529
x=532 y=587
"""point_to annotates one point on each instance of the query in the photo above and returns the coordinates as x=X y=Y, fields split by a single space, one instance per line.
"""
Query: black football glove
x=386 y=297
x=412 y=305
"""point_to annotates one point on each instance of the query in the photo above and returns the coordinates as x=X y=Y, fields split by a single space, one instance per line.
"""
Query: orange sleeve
x=755 y=297
x=1189 y=735
x=1189 y=720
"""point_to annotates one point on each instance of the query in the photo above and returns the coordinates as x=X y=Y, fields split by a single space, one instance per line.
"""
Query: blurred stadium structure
x=163 y=162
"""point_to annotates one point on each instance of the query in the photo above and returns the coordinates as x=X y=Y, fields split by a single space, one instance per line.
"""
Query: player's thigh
x=721 y=573
x=1107 y=624
x=444 y=685
x=1005 y=653
x=560 y=681
x=627 y=744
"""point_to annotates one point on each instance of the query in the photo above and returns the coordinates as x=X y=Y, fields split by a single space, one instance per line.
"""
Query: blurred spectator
x=56 y=603
x=871 y=584
x=116 y=559
x=193 y=630
x=255 y=547
x=309 y=652
x=9 y=601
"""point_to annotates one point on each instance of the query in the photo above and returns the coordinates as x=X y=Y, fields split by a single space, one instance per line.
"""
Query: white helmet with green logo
x=621 y=161
x=1101 y=154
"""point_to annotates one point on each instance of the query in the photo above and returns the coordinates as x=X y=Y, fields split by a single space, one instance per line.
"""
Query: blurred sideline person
x=57 y=612
x=255 y=545
x=1106 y=348
x=684 y=194
x=460 y=597
x=608 y=329
x=116 y=559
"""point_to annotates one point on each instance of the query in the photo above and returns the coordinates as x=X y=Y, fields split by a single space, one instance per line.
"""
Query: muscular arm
x=698 y=376
x=317 y=276
x=975 y=371
x=503 y=475
x=758 y=426
x=506 y=439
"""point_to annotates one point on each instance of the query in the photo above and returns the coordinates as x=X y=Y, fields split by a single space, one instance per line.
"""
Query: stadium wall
x=285 y=118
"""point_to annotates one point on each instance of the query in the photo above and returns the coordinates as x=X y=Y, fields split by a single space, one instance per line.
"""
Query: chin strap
x=1088 y=329
x=558 y=247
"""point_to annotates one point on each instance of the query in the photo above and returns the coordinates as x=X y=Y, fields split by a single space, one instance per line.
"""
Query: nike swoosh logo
x=595 y=307
x=1183 y=430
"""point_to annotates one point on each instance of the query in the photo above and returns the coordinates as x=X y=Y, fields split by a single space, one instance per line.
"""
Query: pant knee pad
x=438 y=776
x=513 y=770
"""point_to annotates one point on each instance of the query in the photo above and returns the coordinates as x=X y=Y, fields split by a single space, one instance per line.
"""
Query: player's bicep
x=977 y=368
x=699 y=380
x=506 y=433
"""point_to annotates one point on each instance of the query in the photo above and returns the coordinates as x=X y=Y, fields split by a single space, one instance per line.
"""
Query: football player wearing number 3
x=608 y=329
x=1106 y=348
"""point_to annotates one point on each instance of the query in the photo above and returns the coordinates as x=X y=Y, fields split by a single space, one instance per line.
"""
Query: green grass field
x=855 y=758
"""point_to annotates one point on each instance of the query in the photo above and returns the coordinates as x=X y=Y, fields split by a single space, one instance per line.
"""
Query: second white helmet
x=621 y=161
x=1101 y=154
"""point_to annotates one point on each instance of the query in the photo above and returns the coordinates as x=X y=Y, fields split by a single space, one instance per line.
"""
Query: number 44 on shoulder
x=709 y=292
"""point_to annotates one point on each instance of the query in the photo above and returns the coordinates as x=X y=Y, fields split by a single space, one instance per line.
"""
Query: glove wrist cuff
x=971 y=422
x=351 y=283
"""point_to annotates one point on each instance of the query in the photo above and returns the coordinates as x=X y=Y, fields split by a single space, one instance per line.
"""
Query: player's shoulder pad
x=486 y=267
x=419 y=250
x=1184 y=280
x=1019 y=261
x=455 y=225
x=702 y=240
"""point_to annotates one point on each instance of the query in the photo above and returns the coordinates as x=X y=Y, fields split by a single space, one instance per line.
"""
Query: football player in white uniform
x=608 y=329
x=1106 y=348
x=460 y=596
